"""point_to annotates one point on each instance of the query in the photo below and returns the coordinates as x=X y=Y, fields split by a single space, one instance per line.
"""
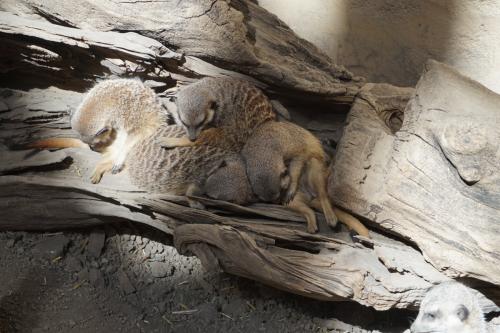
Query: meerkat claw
x=96 y=177
x=116 y=168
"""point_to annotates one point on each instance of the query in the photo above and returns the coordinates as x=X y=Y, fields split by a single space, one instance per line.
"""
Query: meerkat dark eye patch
x=102 y=131
x=462 y=312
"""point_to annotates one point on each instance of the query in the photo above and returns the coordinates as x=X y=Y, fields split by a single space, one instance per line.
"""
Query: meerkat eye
x=462 y=312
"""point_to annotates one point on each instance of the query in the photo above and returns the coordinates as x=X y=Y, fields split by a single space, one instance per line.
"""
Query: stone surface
x=52 y=246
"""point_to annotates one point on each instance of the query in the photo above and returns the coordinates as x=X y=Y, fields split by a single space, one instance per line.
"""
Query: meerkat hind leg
x=175 y=142
x=294 y=171
x=350 y=221
x=299 y=204
x=316 y=178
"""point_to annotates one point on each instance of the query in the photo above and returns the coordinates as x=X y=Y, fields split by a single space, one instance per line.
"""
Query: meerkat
x=233 y=106
x=113 y=117
x=179 y=171
x=229 y=182
x=450 y=307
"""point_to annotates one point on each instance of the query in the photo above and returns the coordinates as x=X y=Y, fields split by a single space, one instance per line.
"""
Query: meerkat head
x=449 y=307
x=229 y=182
x=195 y=110
x=268 y=184
x=96 y=132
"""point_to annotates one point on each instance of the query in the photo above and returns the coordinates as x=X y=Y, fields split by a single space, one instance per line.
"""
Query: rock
x=96 y=278
x=96 y=243
x=125 y=283
x=53 y=246
x=159 y=269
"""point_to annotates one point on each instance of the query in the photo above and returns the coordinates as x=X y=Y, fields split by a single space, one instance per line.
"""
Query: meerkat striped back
x=159 y=170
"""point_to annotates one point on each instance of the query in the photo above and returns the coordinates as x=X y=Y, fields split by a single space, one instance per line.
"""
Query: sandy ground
x=131 y=281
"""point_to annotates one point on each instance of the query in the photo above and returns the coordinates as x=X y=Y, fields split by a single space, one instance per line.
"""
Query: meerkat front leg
x=294 y=171
x=194 y=190
x=103 y=166
x=300 y=204
x=176 y=142
x=120 y=149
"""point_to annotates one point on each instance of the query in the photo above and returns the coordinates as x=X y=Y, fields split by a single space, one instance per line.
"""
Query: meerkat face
x=268 y=184
x=448 y=307
x=442 y=318
x=101 y=139
x=195 y=111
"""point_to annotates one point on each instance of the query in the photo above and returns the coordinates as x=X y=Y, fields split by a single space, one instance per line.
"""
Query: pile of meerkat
x=227 y=144
x=450 y=307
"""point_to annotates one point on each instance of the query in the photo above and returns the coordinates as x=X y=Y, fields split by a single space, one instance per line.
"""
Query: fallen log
x=435 y=180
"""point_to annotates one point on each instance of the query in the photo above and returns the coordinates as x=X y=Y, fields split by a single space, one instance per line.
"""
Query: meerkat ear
x=462 y=312
x=210 y=116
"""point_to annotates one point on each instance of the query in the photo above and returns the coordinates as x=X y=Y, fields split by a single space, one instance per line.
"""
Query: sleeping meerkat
x=449 y=307
x=113 y=117
x=283 y=150
x=229 y=182
x=233 y=106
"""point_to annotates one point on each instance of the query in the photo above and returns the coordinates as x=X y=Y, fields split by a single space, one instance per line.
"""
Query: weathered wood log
x=435 y=181
x=239 y=35
x=50 y=191
x=173 y=45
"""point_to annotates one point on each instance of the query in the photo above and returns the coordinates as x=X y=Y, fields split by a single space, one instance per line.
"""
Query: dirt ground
x=130 y=280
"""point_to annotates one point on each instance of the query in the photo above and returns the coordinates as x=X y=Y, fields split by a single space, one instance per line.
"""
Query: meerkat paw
x=312 y=228
x=117 y=168
x=331 y=219
x=96 y=177
x=289 y=195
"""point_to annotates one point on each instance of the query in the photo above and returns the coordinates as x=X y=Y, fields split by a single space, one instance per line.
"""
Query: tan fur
x=57 y=143
x=276 y=148
x=113 y=117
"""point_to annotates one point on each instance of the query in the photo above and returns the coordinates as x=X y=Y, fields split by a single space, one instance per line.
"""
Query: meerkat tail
x=57 y=143
x=352 y=222
x=317 y=180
